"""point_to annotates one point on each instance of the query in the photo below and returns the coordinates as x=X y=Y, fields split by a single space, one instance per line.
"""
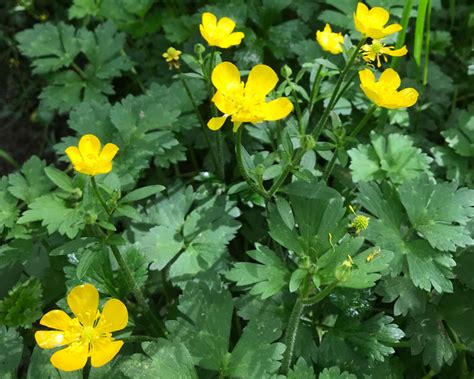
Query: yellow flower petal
x=102 y=168
x=216 y=123
x=108 y=152
x=208 y=20
x=74 y=155
x=48 y=339
x=394 y=52
x=114 y=316
x=407 y=97
x=232 y=40
x=72 y=358
x=390 y=79
x=56 y=319
x=103 y=351
x=327 y=28
x=84 y=301
x=394 y=28
x=224 y=104
x=278 y=109
x=225 y=76
x=226 y=24
x=367 y=77
x=89 y=144
x=378 y=16
x=262 y=79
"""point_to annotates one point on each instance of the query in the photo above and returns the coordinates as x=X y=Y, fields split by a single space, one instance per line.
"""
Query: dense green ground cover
x=324 y=230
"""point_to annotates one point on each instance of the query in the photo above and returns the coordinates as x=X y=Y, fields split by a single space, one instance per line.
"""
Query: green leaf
x=393 y=157
x=61 y=179
x=11 y=348
x=266 y=278
x=30 y=182
x=104 y=50
x=9 y=211
x=460 y=137
x=318 y=211
x=408 y=297
x=427 y=334
x=206 y=329
x=247 y=362
x=74 y=246
x=360 y=342
x=141 y=193
x=55 y=215
x=161 y=244
x=164 y=359
x=456 y=309
x=22 y=305
x=51 y=47
x=335 y=373
x=439 y=212
x=301 y=370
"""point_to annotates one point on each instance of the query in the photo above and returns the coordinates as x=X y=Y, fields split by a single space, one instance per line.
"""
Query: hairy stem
x=291 y=333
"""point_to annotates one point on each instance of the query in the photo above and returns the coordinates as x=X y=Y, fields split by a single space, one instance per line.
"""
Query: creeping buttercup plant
x=244 y=189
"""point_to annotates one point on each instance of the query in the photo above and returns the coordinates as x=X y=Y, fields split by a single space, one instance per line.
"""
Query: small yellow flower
x=372 y=52
x=360 y=223
x=371 y=23
x=246 y=102
x=384 y=92
x=330 y=41
x=88 y=334
x=219 y=33
x=89 y=159
x=172 y=57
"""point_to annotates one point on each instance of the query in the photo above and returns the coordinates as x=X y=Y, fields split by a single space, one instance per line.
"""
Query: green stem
x=322 y=121
x=131 y=283
x=298 y=110
x=137 y=293
x=346 y=86
x=315 y=90
x=79 y=71
x=220 y=155
x=321 y=295
x=362 y=122
x=9 y=159
x=99 y=196
x=243 y=171
x=201 y=120
x=402 y=33
x=291 y=333
x=427 y=43
x=281 y=179
x=330 y=166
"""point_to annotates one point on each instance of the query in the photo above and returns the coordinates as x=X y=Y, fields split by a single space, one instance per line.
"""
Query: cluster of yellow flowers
x=371 y=24
x=89 y=333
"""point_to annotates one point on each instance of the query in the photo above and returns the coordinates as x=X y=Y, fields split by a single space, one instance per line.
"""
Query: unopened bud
x=286 y=71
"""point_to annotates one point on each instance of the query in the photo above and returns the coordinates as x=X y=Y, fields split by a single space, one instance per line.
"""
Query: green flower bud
x=286 y=71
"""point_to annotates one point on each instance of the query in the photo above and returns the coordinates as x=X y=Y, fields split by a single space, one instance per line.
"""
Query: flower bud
x=286 y=71
x=199 y=48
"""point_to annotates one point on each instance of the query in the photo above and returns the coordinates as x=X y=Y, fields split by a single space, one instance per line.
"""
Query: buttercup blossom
x=371 y=23
x=330 y=41
x=172 y=57
x=88 y=334
x=384 y=91
x=88 y=158
x=246 y=102
x=372 y=52
x=219 y=33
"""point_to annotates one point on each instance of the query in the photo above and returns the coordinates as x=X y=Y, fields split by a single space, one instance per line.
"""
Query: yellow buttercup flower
x=330 y=41
x=219 y=33
x=371 y=23
x=172 y=57
x=88 y=334
x=89 y=159
x=372 y=52
x=384 y=91
x=246 y=102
